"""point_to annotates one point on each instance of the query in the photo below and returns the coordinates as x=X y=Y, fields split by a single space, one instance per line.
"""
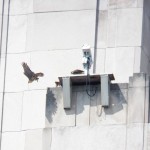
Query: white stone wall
x=48 y=35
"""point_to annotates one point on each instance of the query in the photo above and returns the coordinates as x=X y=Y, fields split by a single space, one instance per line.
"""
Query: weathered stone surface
x=44 y=33
x=103 y=5
x=114 y=114
x=12 y=115
x=123 y=70
x=39 y=139
x=15 y=79
x=58 y=5
x=18 y=7
x=136 y=105
x=17 y=34
x=112 y=30
x=102 y=29
x=56 y=115
x=129 y=28
x=89 y=138
x=13 y=140
x=100 y=61
x=135 y=137
x=126 y=3
x=33 y=115
x=54 y=65
x=82 y=108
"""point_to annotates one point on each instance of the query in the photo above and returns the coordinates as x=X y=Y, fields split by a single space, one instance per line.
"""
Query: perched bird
x=57 y=83
x=31 y=75
x=77 y=71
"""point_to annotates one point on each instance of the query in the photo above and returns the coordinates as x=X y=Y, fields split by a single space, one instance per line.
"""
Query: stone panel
x=124 y=60
x=19 y=7
x=112 y=28
x=134 y=137
x=102 y=29
x=126 y=3
x=56 y=115
x=2 y=67
x=39 y=139
x=54 y=64
x=89 y=138
x=112 y=4
x=70 y=34
x=82 y=109
x=13 y=140
x=12 y=116
x=114 y=114
x=140 y=3
x=15 y=78
x=100 y=61
x=17 y=34
x=129 y=27
x=66 y=5
x=110 y=60
x=103 y=5
x=33 y=116
x=136 y=100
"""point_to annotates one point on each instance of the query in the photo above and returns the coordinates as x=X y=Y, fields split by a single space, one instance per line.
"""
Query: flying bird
x=77 y=71
x=30 y=74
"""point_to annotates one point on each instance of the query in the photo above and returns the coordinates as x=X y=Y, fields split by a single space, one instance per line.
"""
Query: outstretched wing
x=27 y=71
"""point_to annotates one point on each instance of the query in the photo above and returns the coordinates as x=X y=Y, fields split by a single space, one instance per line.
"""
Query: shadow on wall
x=81 y=102
x=51 y=105
x=118 y=98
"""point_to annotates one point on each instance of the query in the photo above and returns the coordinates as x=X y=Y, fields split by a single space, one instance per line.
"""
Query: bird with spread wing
x=30 y=74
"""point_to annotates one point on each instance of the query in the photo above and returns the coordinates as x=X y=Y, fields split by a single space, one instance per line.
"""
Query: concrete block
x=112 y=28
x=56 y=115
x=126 y=3
x=15 y=78
x=82 y=109
x=54 y=64
x=102 y=29
x=17 y=34
x=88 y=138
x=114 y=114
x=100 y=61
x=12 y=115
x=45 y=31
x=136 y=105
x=129 y=29
x=33 y=115
x=58 y=5
x=134 y=141
x=13 y=140
x=39 y=139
